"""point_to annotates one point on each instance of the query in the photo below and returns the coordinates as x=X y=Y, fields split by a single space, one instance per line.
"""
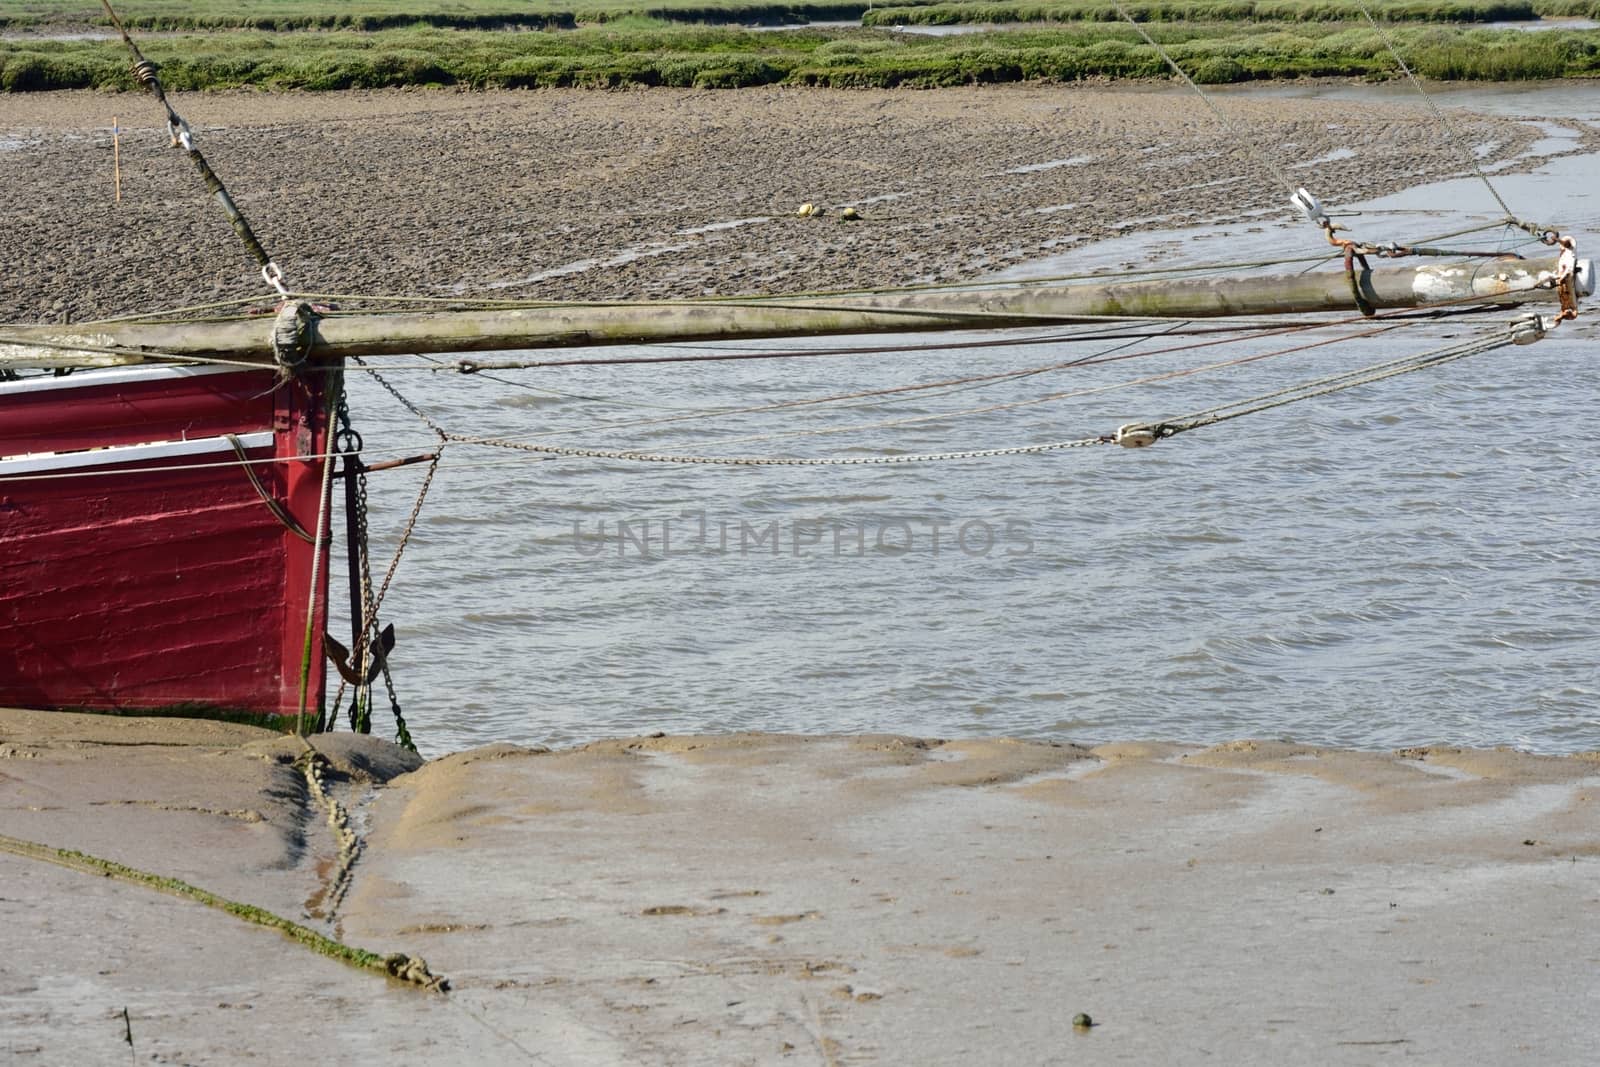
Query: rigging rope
x=875 y=396
x=1303 y=200
x=1388 y=43
x=383 y=300
x=723 y=354
x=144 y=72
x=1051 y=397
x=279 y=512
x=778 y=461
x=1148 y=433
x=1392 y=320
x=1276 y=171
x=316 y=566
x=1133 y=434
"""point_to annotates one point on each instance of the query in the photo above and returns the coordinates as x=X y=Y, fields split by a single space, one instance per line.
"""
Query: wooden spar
x=576 y=325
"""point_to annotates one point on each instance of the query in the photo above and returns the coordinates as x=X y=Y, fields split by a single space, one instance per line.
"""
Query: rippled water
x=1410 y=562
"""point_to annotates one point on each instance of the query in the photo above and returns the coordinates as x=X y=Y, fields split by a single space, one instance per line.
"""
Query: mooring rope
x=314 y=766
x=409 y=969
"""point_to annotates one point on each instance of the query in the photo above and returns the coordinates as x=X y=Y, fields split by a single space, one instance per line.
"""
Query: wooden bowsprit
x=337 y=336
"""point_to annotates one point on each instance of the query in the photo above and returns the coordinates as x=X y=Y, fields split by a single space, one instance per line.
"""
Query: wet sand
x=826 y=900
x=664 y=193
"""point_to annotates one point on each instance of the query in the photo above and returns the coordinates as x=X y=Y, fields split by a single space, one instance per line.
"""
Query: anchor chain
x=369 y=655
x=348 y=441
x=402 y=736
x=361 y=698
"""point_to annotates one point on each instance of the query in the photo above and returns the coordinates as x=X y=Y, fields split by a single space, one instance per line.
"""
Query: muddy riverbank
x=620 y=195
x=768 y=899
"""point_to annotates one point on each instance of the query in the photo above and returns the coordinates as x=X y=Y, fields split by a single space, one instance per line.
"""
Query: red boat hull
x=140 y=568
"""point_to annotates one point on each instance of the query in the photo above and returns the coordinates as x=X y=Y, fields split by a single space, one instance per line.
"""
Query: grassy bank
x=372 y=15
x=44 y=16
x=710 y=57
x=1325 y=11
x=307 y=44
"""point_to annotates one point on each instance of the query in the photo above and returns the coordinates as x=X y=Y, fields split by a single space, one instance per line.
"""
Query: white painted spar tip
x=1583 y=278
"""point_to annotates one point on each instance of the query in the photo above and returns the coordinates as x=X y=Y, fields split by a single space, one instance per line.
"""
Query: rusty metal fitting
x=1567 y=279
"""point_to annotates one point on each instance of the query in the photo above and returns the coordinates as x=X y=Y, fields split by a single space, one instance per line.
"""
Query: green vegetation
x=372 y=15
x=724 y=58
x=1388 y=11
x=646 y=42
x=278 y=723
x=369 y=15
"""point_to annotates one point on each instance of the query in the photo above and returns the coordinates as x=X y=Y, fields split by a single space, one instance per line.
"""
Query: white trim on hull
x=86 y=379
x=41 y=462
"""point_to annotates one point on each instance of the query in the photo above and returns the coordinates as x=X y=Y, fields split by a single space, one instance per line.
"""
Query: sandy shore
x=826 y=900
x=571 y=194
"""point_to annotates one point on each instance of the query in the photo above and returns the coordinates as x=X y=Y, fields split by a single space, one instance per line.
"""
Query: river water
x=1406 y=563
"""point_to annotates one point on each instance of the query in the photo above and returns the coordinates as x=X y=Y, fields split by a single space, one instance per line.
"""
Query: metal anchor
x=351 y=672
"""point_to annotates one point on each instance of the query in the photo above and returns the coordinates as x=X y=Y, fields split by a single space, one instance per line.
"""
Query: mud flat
x=659 y=193
x=765 y=899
